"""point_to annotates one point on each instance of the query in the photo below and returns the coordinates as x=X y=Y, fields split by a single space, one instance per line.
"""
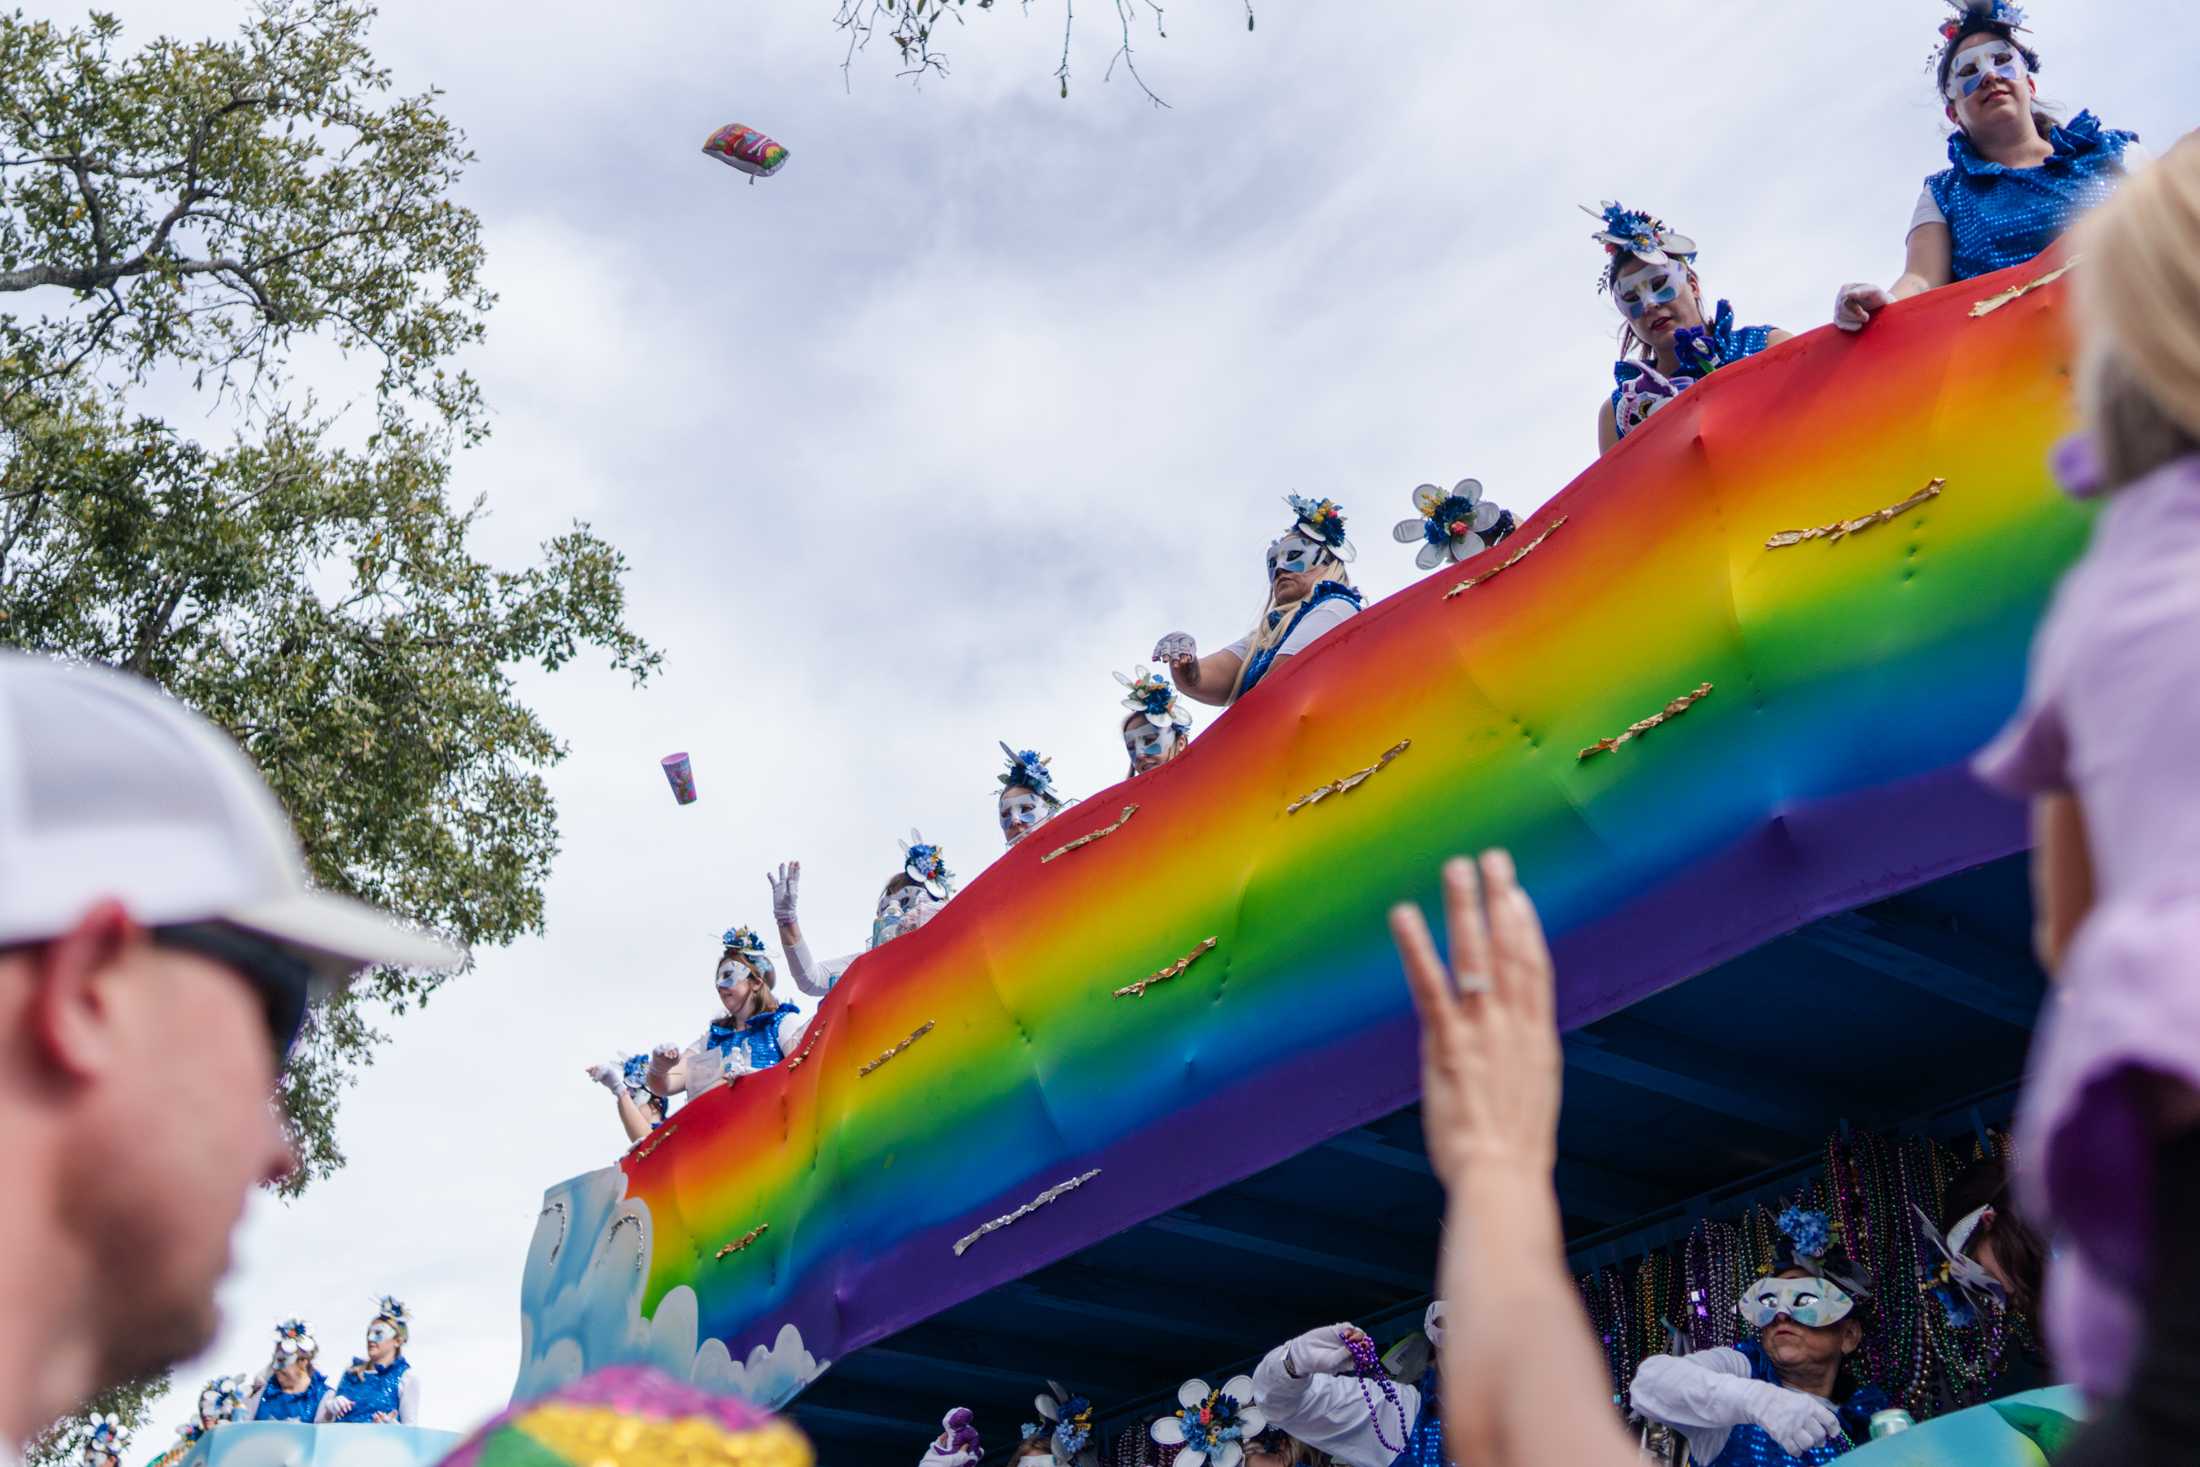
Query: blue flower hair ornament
x=1150 y=693
x=1631 y=234
x=1212 y=1425
x=1068 y=1420
x=926 y=866
x=1027 y=770
x=105 y=1437
x=391 y=1309
x=293 y=1338
x=1810 y=1232
x=2004 y=13
x=747 y=944
x=221 y=1396
x=1322 y=520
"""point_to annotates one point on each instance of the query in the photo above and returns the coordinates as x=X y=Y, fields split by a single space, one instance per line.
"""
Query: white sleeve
x=1330 y=1412
x=1928 y=211
x=1698 y=1395
x=408 y=1400
x=1241 y=646
x=2137 y=155
x=701 y=1067
x=1322 y=618
x=791 y=1032
x=812 y=979
x=250 y=1410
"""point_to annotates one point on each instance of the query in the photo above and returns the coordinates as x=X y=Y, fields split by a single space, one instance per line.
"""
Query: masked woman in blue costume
x=1669 y=343
x=911 y=897
x=2017 y=178
x=1309 y=594
x=755 y=1031
x=1159 y=726
x=1028 y=797
x=1788 y=1396
x=219 y=1399
x=292 y=1388
x=381 y=1387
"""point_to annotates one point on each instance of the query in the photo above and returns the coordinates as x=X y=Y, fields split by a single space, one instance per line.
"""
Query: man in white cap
x=159 y=944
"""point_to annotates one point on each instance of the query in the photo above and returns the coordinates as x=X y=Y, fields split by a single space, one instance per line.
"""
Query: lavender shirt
x=2112 y=715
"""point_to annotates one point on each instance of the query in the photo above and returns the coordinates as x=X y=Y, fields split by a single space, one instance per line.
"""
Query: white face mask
x=1981 y=61
x=380 y=1334
x=1143 y=742
x=1296 y=554
x=1642 y=291
x=1021 y=813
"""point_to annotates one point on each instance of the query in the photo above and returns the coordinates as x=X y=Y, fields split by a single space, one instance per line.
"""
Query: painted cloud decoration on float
x=581 y=1306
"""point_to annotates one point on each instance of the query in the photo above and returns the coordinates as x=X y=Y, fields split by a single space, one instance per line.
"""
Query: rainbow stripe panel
x=845 y=1196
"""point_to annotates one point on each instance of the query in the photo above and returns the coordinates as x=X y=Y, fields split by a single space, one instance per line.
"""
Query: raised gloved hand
x=1320 y=1352
x=786 y=887
x=666 y=1051
x=1176 y=647
x=1855 y=305
x=1796 y=1421
x=611 y=1077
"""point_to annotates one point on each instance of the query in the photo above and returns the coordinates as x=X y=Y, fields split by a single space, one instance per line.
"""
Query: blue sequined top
x=1702 y=351
x=277 y=1404
x=2000 y=216
x=371 y=1388
x=759 y=1037
x=1750 y=1446
x=1425 y=1443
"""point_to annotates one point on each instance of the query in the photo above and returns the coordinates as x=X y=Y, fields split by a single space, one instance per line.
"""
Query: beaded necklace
x=1368 y=1365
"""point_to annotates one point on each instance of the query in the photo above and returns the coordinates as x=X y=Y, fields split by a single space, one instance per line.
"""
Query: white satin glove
x=1320 y=1352
x=611 y=1077
x=1174 y=648
x=1856 y=304
x=786 y=886
x=666 y=1052
x=1796 y=1421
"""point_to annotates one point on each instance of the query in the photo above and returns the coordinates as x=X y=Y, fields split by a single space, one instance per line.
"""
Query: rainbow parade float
x=1141 y=1103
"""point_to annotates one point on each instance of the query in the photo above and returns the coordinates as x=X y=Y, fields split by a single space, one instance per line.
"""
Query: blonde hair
x=2139 y=318
x=1267 y=634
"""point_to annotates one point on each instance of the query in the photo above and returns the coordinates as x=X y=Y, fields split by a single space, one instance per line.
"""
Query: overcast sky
x=913 y=443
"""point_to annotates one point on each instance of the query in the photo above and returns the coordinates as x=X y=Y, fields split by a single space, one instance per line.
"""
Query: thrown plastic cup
x=681 y=775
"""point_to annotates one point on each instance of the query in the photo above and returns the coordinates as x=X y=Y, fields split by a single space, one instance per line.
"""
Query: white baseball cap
x=111 y=789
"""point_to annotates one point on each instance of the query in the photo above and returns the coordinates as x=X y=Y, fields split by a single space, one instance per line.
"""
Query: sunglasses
x=279 y=976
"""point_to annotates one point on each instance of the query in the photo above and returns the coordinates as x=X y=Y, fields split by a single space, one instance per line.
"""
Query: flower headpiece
x=1981 y=12
x=1212 y=1425
x=1149 y=693
x=1069 y=1421
x=1631 y=234
x=1959 y=1282
x=390 y=1308
x=747 y=944
x=292 y=1338
x=1810 y=1232
x=106 y=1438
x=221 y=1397
x=1027 y=770
x=926 y=867
x=1454 y=526
x=1323 y=520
